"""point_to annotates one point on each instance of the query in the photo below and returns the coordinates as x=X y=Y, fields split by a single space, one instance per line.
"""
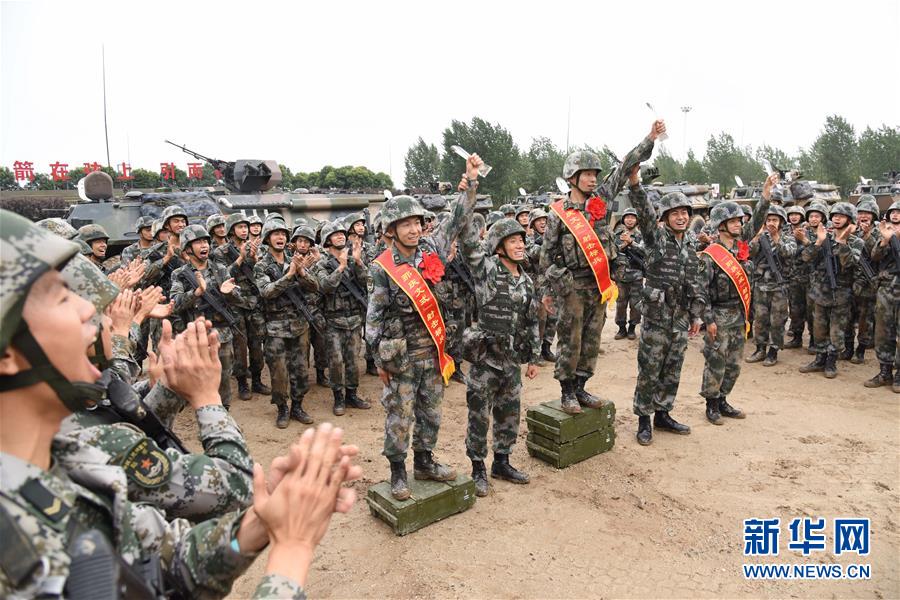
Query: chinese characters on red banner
x=24 y=171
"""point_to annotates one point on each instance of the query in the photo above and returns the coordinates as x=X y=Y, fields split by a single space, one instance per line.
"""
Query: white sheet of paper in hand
x=768 y=167
x=562 y=186
x=663 y=136
x=483 y=170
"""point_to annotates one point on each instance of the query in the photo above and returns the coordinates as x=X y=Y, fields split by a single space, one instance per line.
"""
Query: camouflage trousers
x=627 y=309
x=253 y=325
x=412 y=400
x=286 y=358
x=546 y=325
x=797 y=306
x=723 y=358
x=861 y=324
x=660 y=357
x=226 y=357
x=343 y=348
x=771 y=313
x=455 y=321
x=319 y=343
x=581 y=319
x=493 y=392
x=887 y=327
x=829 y=325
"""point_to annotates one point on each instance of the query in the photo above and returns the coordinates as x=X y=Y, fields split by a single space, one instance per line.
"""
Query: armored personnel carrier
x=886 y=190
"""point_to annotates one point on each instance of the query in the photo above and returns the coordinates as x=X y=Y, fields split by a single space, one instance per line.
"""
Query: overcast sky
x=357 y=82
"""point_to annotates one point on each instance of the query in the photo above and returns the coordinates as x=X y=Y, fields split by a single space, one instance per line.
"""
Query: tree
x=670 y=170
x=422 y=163
x=724 y=160
x=7 y=179
x=836 y=154
x=694 y=172
x=541 y=165
x=494 y=144
x=879 y=151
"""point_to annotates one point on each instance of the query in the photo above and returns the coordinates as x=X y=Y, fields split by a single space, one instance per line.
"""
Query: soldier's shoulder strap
x=18 y=556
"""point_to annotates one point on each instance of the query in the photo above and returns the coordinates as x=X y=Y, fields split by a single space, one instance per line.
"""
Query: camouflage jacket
x=453 y=291
x=226 y=256
x=49 y=508
x=863 y=286
x=391 y=314
x=782 y=253
x=342 y=309
x=888 y=270
x=283 y=319
x=192 y=307
x=628 y=269
x=847 y=257
x=158 y=272
x=724 y=306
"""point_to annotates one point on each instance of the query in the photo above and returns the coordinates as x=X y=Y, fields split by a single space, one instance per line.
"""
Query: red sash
x=590 y=245
x=728 y=263
x=413 y=285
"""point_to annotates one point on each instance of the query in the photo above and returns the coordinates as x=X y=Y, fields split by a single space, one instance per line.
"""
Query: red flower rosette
x=431 y=266
x=743 y=251
x=596 y=207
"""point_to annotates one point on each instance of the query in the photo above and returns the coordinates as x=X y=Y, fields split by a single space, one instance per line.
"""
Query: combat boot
x=896 y=387
x=796 y=340
x=243 y=389
x=568 y=400
x=622 y=333
x=584 y=397
x=297 y=412
x=354 y=401
x=322 y=378
x=281 y=420
x=546 y=353
x=831 y=365
x=818 y=364
x=501 y=469
x=631 y=334
x=884 y=377
x=424 y=467
x=771 y=357
x=339 y=407
x=399 y=487
x=258 y=387
x=811 y=347
x=712 y=411
x=860 y=356
x=645 y=431
x=371 y=369
x=479 y=476
x=727 y=410
x=758 y=355
x=847 y=354
x=663 y=420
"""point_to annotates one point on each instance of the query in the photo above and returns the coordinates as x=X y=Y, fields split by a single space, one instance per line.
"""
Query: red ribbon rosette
x=431 y=266
x=596 y=207
x=743 y=251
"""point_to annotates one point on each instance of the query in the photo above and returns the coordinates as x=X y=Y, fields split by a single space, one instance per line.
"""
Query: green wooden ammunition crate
x=549 y=421
x=569 y=453
x=429 y=502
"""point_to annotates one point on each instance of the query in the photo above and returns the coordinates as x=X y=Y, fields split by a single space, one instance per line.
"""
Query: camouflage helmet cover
x=723 y=212
x=233 y=219
x=893 y=207
x=336 y=226
x=796 y=210
x=493 y=217
x=142 y=222
x=844 y=208
x=507 y=209
x=629 y=211
x=214 y=221
x=254 y=220
x=522 y=208
x=273 y=225
x=534 y=215
x=674 y=200
x=581 y=160
x=88 y=281
x=867 y=203
x=192 y=233
x=156 y=228
x=501 y=230
x=60 y=227
x=172 y=211
x=746 y=210
x=353 y=218
x=399 y=208
x=819 y=208
x=272 y=216
x=429 y=216
x=91 y=232
x=304 y=230
x=778 y=211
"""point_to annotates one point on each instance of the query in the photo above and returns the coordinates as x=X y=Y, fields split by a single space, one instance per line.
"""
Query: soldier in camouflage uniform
x=505 y=338
x=507 y=210
x=537 y=219
x=256 y=227
x=356 y=231
x=215 y=225
x=724 y=314
x=196 y=286
x=96 y=238
x=522 y=213
x=831 y=309
x=672 y=304
x=342 y=282
x=406 y=356
x=886 y=254
x=144 y=229
x=453 y=293
x=798 y=279
x=238 y=256
x=770 y=295
x=629 y=274
x=282 y=279
x=816 y=213
x=582 y=313
x=866 y=285
x=303 y=239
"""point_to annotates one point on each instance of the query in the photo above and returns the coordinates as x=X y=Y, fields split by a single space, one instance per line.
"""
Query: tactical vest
x=667 y=269
x=400 y=311
x=504 y=315
x=280 y=307
x=165 y=280
x=201 y=306
x=570 y=255
x=722 y=291
x=340 y=302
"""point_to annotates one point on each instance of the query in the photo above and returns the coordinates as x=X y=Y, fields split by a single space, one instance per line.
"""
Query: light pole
x=685 y=110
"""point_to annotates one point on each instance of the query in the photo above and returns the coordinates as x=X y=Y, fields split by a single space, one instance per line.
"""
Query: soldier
x=203 y=288
x=798 y=279
x=886 y=254
x=728 y=291
x=96 y=238
x=833 y=259
x=579 y=267
x=866 y=285
x=410 y=344
x=144 y=229
x=816 y=214
x=215 y=225
x=429 y=223
x=537 y=220
x=505 y=338
x=453 y=293
x=282 y=282
x=256 y=227
x=672 y=304
x=771 y=251
x=629 y=274
x=303 y=240
x=342 y=282
x=238 y=256
x=356 y=231
x=165 y=257
x=507 y=210
x=522 y=212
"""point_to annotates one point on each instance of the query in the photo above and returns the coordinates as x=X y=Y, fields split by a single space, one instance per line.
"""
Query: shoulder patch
x=147 y=465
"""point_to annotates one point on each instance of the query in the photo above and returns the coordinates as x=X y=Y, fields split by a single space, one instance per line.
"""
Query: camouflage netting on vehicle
x=34 y=208
x=198 y=205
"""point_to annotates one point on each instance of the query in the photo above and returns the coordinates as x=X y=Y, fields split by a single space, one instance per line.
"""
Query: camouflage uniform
x=770 y=298
x=864 y=288
x=453 y=293
x=546 y=321
x=887 y=312
x=629 y=278
x=797 y=275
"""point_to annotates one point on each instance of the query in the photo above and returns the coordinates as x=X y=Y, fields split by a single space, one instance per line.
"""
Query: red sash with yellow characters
x=590 y=244
x=728 y=263
x=413 y=285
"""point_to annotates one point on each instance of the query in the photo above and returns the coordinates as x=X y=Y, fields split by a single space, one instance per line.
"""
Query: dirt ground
x=663 y=521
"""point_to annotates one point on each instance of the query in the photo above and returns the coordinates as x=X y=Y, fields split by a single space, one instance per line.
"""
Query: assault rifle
x=295 y=295
x=213 y=297
x=766 y=246
x=830 y=264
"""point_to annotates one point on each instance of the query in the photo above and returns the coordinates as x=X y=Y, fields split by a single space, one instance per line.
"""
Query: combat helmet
x=429 y=216
x=507 y=209
x=746 y=210
x=254 y=220
x=629 y=211
x=304 y=230
x=336 y=226
x=581 y=160
x=493 y=217
x=354 y=218
x=142 y=222
x=892 y=208
x=92 y=232
x=796 y=210
x=777 y=194
x=674 y=200
x=172 y=211
x=88 y=281
x=272 y=216
x=214 y=221
x=376 y=223
x=234 y=219
x=273 y=225
x=867 y=203
x=724 y=212
x=399 y=208
x=156 y=228
x=522 y=208
x=536 y=214
x=192 y=233
x=778 y=211
x=60 y=227
x=501 y=230
x=844 y=208
x=819 y=208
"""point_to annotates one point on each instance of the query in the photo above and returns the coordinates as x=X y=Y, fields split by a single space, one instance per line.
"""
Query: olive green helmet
x=722 y=213
x=867 y=203
x=796 y=210
x=273 y=216
x=254 y=220
x=507 y=209
x=399 y=208
x=501 y=230
x=522 y=208
x=778 y=212
x=142 y=222
x=192 y=233
x=892 y=208
x=214 y=221
x=91 y=232
x=60 y=227
x=234 y=219
x=536 y=214
x=429 y=216
x=674 y=200
x=493 y=217
x=819 y=208
x=581 y=160
x=354 y=218
x=157 y=227
x=304 y=230
x=629 y=211
x=336 y=226
x=172 y=211
x=844 y=208
x=273 y=225
x=746 y=210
